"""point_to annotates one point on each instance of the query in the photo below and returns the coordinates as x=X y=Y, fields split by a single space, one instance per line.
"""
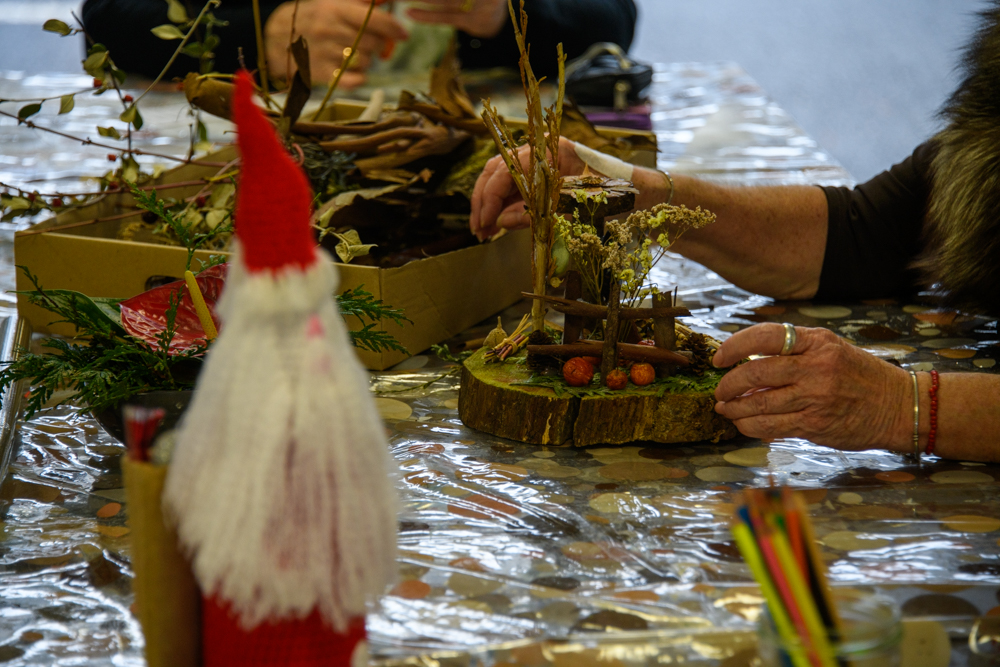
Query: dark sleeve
x=576 y=23
x=874 y=232
x=124 y=27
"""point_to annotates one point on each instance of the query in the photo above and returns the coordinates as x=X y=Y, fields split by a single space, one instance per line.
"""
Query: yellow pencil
x=800 y=591
x=748 y=547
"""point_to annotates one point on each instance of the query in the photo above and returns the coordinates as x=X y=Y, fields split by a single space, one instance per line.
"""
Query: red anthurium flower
x=145 y=316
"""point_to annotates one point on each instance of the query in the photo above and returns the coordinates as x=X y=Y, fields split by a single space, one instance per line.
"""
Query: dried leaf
x=57 y=26
x=167 y=31
x=28 y=110
x=350 y=246
x=215 y=216
x=301 y=87
x=176 y=13
x=66 y=103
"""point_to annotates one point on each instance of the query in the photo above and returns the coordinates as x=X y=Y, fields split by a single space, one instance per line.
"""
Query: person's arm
x=832 y=393
x=767 y=240
x=486 y=34
x=124 y=27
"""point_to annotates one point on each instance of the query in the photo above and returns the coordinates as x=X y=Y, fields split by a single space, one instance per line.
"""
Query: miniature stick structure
x=664 y=331
x=584 y=309
x=653 y=355
x=539 y=184
x=573 y=323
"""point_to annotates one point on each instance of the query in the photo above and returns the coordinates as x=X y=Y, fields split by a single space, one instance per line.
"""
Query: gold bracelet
x=671 y=182
x=916 y=417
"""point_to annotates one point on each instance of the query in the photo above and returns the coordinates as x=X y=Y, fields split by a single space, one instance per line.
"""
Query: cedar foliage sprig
x=363 y=305
x=104 y=366
x=106 y=369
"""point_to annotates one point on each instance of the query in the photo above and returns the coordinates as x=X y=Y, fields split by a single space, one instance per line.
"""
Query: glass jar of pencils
x=869 y=636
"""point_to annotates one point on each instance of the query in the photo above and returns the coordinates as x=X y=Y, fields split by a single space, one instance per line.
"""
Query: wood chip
x=468 y=585
x=391 y=409
x=848 y=540
x=492 y=472
x=894 y=476
x=113 y=531
x=850 y=498
x=411 y=589
x=944 y=317
x=952 y=353
x=619 y=503
x=749 y=457
x=724 y=474
x=942 y=343
x=637 y=596
x=870 y=513
x=109 y=510
x=826 y=312
x=961 y=477
x=984 y=363
x=635 y=472
x=478 y=506
x=971 y=523
x=769 y=310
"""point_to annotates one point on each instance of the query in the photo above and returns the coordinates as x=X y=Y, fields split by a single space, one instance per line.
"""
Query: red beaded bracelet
x=932 y=436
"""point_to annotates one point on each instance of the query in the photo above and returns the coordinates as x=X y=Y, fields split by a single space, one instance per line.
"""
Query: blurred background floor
x=864 y=78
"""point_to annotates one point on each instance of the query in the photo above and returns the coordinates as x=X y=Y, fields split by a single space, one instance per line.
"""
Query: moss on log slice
x=493 y=399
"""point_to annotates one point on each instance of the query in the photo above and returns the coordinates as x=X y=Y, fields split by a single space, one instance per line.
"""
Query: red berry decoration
x=617 y=379
x=127 y=98
x=98 y=83
x=112 y=157
x=57 y=201
x=642 y=374
x=578 y=372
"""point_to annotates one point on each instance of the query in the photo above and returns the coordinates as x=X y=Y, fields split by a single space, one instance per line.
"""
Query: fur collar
x=962 y=229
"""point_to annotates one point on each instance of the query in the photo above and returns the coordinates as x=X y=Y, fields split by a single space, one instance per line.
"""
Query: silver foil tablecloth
x=521 y=555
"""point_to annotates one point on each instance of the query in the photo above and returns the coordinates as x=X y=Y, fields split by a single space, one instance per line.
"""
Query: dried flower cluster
x=627 y=248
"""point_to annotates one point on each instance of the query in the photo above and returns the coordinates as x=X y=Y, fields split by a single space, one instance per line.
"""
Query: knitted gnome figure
x=281 y=484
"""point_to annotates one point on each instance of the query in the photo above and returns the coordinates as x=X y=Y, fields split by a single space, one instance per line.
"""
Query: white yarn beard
x=281 y=484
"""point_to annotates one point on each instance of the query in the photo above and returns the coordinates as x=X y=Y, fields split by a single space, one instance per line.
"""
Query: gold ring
x=790 y=337
x=468 y=5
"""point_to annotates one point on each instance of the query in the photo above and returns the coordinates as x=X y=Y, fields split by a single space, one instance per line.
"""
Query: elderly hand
x=329 y=26
x=478 y=18
x=496 y=201
x=826 y=391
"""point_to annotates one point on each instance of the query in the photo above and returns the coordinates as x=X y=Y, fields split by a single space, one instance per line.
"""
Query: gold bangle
x=671 y=182
x=916 y=417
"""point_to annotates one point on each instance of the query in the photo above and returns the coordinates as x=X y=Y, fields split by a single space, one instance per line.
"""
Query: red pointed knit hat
x=273 y=199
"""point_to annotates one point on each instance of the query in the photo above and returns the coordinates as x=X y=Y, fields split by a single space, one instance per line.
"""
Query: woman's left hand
x=826 y=391
x=478 y=18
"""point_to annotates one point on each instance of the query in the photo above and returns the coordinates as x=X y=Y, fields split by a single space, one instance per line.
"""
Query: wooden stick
x=583 y=309
x=653 y=355
x=609 y=350
x=356 y=127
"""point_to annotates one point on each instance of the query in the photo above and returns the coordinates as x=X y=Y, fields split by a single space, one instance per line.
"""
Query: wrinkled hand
x=496 y=201
x=329 y=26
x=484 y=18
x=826 y=391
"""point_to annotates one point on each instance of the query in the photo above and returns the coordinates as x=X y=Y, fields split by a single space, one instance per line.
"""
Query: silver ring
x=786 y=349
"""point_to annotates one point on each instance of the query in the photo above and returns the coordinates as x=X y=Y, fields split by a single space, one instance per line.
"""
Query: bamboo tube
x=168 y=602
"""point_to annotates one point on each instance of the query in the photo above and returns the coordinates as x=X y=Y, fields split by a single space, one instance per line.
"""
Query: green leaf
x=28 y=110
x=131 y=115
x=202 y=131
x=109 y=132
x=118 y=74
x=19 y=204
x=167 y=31
x=55 y=25
x=66 y=103
x=96 y=48
x=94 y=64
x=176 y=12
x=193 y=50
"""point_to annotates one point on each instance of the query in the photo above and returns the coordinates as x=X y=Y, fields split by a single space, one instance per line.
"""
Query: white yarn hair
x=281 y=484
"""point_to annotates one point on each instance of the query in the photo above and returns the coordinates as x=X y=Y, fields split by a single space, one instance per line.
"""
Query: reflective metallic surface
x=520 y=555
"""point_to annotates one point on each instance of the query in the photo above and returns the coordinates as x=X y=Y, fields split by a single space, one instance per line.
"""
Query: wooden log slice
x=488 y=402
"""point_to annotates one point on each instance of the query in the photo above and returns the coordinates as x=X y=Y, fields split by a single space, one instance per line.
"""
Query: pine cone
x=701 y=353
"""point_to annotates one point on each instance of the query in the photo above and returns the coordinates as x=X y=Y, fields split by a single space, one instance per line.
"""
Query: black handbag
x=605 y=76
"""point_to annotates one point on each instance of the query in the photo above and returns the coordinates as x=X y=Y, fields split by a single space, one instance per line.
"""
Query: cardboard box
x=443 y=295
